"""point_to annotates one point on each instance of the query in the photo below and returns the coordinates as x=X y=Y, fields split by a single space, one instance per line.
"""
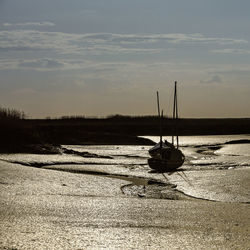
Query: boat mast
x=175 y=116
x=160 y=115
x=158 y=104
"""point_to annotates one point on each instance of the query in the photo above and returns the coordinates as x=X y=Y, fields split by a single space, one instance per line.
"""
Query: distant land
x=144 y=125
x=44 y=135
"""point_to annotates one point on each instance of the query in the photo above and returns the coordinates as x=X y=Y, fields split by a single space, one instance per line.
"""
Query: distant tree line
x=109 y=117
x=11 y=114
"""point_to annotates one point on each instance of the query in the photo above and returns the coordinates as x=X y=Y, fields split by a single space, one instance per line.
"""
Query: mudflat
x=49 y=209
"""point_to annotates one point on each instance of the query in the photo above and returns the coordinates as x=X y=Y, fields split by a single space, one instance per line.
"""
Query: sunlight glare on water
x=201 y=140
x=240 y=149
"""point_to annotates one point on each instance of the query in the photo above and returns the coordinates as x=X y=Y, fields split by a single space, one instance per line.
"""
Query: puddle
x=154 y=191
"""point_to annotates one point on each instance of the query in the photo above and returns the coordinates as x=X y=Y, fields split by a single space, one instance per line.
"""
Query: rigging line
x=165 y=176
x=185 y=179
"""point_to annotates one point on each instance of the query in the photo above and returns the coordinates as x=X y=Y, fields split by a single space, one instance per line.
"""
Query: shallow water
x=240 y=149
x=196 y=140
x=213 y=149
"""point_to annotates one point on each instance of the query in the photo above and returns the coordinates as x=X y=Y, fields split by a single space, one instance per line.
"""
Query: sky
x=104 y=57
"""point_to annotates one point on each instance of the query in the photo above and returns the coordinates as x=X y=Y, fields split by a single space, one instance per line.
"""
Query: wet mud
x=138 y=187
x=84 y=154
x=204 y=157
x=87 y=200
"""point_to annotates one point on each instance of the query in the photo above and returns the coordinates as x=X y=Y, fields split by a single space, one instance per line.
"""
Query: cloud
x=44 y=63
x=24 y=91
x=213 y=79
x=231 y=51
x=153 y=38
x=57 y=47
x=8 y=64
x=28 y=24
x=52 y=64
x=100 y=43
x=65 y=43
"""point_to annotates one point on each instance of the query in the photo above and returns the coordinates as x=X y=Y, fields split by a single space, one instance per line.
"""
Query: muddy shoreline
x=43 y=208
x=141 y=186
x=102 y=197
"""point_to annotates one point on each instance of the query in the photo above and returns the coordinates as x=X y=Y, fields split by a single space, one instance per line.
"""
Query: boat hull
x=158 y=147
x=167 y=160
x=164 y=165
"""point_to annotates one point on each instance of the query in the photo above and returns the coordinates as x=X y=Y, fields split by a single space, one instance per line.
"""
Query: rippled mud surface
x=106 y=197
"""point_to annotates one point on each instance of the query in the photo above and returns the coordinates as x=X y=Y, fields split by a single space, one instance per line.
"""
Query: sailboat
x=166 y=156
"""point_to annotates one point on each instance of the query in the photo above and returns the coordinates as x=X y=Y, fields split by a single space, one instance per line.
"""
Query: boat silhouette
x=166 y=156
